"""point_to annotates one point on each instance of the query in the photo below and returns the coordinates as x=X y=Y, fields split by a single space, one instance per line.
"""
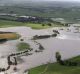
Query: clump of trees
x=58 y=56
x=54 y=35
x=43 y=24
x=41 y=37
x=44 y=36
x=56 y=31
x=65 y=62
x=49 y=24
x=41 y=47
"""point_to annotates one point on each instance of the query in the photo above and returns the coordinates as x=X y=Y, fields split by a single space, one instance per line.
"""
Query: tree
x=66 y=24
x=43 y=24
x=49 y=24
x=21 y=39
x=41 y=47
x=58 y=56
x=15 y=69
x=11 y=12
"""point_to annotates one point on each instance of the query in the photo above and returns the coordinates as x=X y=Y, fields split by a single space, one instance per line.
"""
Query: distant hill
x=40 y=3
x=52 y=9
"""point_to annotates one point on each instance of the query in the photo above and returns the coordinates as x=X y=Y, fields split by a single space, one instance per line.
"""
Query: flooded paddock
x=67 y=46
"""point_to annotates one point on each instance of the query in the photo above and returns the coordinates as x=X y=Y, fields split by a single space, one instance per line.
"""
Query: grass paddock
x=9 y=36
x=56 y=68
x=23 y=46
x=6 y=23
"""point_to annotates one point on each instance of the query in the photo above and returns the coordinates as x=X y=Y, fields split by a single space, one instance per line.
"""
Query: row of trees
x=15 y=60
x=36 y=37
x=40 y=20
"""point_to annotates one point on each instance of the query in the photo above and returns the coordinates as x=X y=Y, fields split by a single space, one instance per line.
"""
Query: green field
x=23 y=46
x=4 y=23
x=56 y=68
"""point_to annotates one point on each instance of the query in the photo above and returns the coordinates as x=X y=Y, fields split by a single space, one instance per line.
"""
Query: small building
x=74 y=27
x=24 y=16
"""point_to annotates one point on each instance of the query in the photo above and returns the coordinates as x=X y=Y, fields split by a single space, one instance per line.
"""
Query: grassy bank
x=56 y=68
x=5 y=23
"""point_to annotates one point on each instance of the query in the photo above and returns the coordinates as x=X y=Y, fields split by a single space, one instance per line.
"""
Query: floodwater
x=68 y=47
x=69 y=35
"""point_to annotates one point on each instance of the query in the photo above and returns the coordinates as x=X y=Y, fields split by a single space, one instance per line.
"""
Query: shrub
x=43 y=24
x=49 y=24
x=41 y=47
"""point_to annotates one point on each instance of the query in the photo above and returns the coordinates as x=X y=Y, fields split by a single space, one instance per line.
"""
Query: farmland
x=4 y=23
x=56 y=68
